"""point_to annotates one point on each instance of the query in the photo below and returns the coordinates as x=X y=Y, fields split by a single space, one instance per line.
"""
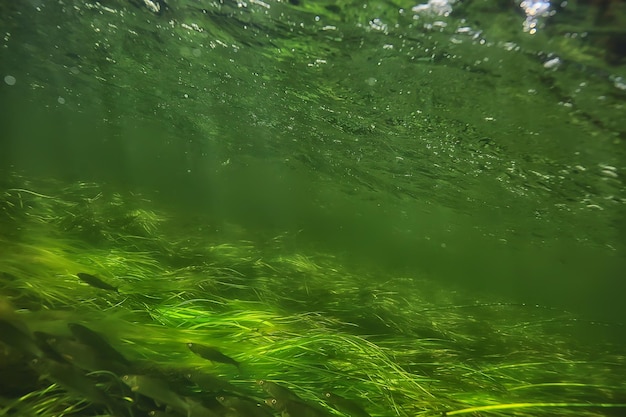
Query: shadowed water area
x=385 y=208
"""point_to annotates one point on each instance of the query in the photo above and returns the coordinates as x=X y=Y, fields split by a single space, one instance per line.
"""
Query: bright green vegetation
x=397 y=345
x=391 y=211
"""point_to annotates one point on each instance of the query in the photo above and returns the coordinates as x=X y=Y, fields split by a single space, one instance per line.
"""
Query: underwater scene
x=258 y=208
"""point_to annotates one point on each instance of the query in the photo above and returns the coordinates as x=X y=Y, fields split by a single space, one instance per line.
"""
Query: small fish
x=211 y=354
x=345 y=405
x=85 y=356
x=278 y=391
x=93 y=339
x=96 y=282
x=197 y=409
x=296 y=408
x=210 y=383
x=19 y=339
x=245 y=407
x=71 y=379
x=44 y=341
x=157 y=390
x=158 y=413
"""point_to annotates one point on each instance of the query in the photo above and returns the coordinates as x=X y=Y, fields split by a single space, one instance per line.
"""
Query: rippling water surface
x=478 y=145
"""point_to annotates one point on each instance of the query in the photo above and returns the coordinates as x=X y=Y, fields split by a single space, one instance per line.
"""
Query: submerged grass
x=399 y=346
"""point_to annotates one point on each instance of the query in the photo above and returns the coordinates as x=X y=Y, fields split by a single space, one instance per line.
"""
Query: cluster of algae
x=394 y=345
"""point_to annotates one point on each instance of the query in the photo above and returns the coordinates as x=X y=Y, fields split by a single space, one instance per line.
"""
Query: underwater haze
x=384 y=207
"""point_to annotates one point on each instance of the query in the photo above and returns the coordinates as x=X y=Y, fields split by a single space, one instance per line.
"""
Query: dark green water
x=451 y=147
x=420 y=207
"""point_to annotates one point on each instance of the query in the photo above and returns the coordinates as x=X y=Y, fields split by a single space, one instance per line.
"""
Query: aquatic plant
x=396 y=345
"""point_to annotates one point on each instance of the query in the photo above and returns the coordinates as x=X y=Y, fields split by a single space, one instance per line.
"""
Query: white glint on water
x=553 y=63
x=435 y=7
x=535 y=10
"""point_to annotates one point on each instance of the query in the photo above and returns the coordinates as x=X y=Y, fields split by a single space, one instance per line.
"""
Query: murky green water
x=364 y=197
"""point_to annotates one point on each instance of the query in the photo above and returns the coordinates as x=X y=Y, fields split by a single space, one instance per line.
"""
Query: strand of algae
x=499 y=407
